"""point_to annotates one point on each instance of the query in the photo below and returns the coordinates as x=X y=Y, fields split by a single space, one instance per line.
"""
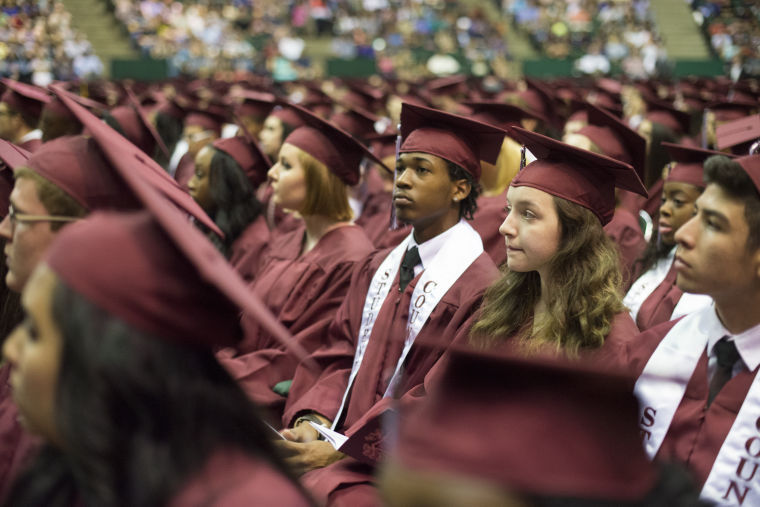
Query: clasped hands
x=302 y=449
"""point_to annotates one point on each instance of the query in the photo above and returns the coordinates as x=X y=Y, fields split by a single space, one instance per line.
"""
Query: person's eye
x=30 y=328
x=678 y=202
x=507 y=209
x=528 y=214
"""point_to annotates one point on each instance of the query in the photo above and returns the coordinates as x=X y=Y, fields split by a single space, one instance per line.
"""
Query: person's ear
x=461 y=189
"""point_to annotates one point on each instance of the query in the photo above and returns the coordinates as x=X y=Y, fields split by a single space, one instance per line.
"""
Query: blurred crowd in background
x=39 y=44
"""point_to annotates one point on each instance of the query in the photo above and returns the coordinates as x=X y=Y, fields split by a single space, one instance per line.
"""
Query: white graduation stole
x=457 y=254
x=662 y=384
x=735 y=475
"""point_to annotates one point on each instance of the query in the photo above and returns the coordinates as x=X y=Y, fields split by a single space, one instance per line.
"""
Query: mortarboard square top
x=574 y=174
x=155 y=270
x=255 y=103
x=737 y=132
x=531 y=425
x=334 y=147
x=356 y=121
x=286 y=113
x=24 y=97
x=124 y=163
x=499 y=114
x=729 y=110
x=617 y=133
x=12 y=155
x=460 y=140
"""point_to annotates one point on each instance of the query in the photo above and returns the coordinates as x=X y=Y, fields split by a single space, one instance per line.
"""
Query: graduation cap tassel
x=522 y=157
x=704 y=129
x=394 y=223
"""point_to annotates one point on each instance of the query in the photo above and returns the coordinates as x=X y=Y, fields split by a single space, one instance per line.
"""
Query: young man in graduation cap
x=698 y=384
x=425 y=288
x=20 y=110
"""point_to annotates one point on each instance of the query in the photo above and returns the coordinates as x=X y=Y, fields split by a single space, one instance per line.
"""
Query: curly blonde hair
x=584 y=289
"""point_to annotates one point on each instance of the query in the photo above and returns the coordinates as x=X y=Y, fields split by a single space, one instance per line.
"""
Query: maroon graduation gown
x=696 y=432
x=185 y=170
x=350 y=482
x=248 y=249
x=17 y=446
x=625 y=231
x=304 y=293
x=31 y=145
x=486 y=220
x=232 y=479
x=322 y=392
x=659 y=305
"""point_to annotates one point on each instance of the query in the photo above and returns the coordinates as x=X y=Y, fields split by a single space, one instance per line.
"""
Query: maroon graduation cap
x=665 y=114
x=499 y=114
x=728 y=110
x=334 y=147
x=356 y=121
x=751 y=165
x=254 y=103
x=157 y=272
x=735 y=134
x=616 y=139
x=23 y=97
x=129 y=164
x=211 y=117
x=248 y=155
x=11 y=157
x=58 y=108
x=578 y=175
x=688 y=163
x=455 y=138
x=145 y=122
x=362 y=94
x=286 y=112
x=534 y=426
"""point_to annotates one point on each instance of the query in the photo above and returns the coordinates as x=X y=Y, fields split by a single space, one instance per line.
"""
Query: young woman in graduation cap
x=277 y=127
x=227 y=174
x=304 y=275
x=560 y=290
x=654 y=297
x=280 y=123
x=113 y=368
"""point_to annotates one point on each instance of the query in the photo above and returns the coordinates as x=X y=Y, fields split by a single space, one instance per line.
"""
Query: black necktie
x=406 y=273
x=727 y=356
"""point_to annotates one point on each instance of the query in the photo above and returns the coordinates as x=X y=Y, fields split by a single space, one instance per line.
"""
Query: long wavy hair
x=583 y=292
x=235 y=202
x=139 y=415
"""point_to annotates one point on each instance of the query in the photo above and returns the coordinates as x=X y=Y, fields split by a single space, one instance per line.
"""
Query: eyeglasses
x=16 y=217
